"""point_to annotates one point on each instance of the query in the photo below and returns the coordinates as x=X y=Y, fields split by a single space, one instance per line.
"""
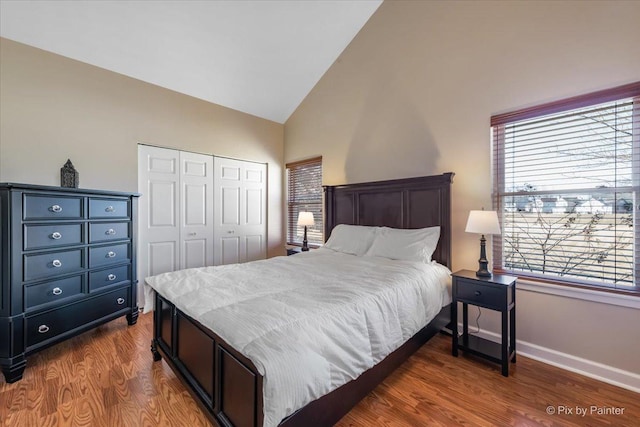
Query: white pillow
x=351 y=239
x=409 y=245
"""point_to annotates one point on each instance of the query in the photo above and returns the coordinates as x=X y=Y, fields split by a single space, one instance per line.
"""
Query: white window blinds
x=304 y=193
x=566 y=188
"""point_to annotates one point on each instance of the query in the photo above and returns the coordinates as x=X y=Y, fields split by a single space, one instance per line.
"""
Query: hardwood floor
x=107 y=377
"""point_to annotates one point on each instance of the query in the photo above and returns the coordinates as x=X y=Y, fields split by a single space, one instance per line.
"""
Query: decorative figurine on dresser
x=67 y=264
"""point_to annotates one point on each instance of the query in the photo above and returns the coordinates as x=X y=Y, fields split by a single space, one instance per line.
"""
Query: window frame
x=631 y=90
x=319 y=222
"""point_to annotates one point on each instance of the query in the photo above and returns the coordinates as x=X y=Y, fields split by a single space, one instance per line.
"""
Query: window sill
x=299 y=245
x=603 y=297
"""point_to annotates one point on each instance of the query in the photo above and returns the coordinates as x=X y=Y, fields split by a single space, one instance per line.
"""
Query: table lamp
x=483 y=222
x=305 y=219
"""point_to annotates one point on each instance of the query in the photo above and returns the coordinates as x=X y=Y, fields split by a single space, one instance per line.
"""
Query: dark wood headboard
x=399 y=203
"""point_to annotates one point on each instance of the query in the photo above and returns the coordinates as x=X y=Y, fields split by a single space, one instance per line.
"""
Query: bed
x=229 y=385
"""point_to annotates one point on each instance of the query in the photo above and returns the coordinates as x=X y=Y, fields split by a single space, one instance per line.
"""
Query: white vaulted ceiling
x=259 y=57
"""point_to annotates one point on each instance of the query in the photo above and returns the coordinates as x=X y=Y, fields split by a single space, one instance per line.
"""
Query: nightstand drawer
x=492 y=297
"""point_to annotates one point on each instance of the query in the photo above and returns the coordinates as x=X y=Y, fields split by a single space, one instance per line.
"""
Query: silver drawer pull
x=111 y=277
x=111 y=254
x=56 y=208
x=57 y=291
x=110 y=232
x=43 y=329
x=56 y=263
x=477 y=293
x=56 y=235
x=120 y=301
x=231 y=231
x=109 y=209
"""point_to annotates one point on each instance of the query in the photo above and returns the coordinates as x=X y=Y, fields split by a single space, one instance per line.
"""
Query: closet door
x=176 y=210
x=159 y=184
x=239 y=211
x=254 y=225
x=196 y=204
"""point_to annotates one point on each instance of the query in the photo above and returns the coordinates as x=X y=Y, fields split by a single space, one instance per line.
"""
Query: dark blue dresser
x=67 y=264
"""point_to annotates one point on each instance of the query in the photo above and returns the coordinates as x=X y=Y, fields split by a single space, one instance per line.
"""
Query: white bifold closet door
x=240 y=211
x=176 y=210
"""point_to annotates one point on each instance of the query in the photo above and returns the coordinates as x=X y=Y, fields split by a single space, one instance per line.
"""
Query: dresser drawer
x=42 y=327
x=107 y=255
x=106 y=231
x=39 y=266
x=51 y=236
x=50 y=207
x=108 y=277
x=53 y=291
x=492 y=297
x=108 y=208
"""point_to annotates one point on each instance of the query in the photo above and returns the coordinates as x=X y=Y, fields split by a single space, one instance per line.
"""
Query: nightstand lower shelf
x=484 y=348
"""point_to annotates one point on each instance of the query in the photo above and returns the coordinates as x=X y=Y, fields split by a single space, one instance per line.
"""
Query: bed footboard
x=228 y=386
x=224 y=382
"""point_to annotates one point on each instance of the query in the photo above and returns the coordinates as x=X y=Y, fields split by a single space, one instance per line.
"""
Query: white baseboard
x=618 y=377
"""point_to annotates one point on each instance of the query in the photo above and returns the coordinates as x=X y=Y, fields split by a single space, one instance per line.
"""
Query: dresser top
x=79 y=191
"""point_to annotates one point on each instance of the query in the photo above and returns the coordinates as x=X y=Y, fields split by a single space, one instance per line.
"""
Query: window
x=566 y=187
x=304 y=193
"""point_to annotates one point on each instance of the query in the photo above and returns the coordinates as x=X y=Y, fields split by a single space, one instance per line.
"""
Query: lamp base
x=305 y=246
x=483 y=273
x=483 y=263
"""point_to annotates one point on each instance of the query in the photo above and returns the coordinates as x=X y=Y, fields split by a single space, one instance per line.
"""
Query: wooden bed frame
x=228 y=386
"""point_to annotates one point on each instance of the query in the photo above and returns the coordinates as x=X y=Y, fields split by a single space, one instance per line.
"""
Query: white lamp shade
x=483 y=222
x=305 y=218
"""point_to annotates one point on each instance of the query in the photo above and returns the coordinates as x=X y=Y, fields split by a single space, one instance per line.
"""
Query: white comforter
x=310 y=322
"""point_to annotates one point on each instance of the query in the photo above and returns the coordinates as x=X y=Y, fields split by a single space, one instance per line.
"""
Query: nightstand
x=294 y=250
x=495 y=293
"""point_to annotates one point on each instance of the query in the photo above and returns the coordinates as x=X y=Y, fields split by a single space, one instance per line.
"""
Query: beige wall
x=413 y=93
x=53 y=108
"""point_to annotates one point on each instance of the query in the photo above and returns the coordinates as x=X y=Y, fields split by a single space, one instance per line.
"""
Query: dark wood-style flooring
x=107 y=377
